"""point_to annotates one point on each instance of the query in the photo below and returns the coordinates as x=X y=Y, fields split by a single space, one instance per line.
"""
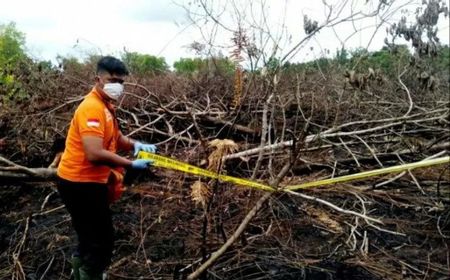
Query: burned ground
x=161 y=232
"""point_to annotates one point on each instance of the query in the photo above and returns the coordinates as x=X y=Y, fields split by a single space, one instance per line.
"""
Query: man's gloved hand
x=141 y=163
x=138 y=146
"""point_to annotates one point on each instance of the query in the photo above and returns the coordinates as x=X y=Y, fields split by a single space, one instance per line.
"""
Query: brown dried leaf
x=222 y=147
x=200 y=193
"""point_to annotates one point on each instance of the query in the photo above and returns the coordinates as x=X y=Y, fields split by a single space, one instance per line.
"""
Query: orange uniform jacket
x=92 y=118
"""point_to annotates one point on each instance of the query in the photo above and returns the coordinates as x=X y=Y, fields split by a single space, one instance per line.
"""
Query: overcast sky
x=162 y=27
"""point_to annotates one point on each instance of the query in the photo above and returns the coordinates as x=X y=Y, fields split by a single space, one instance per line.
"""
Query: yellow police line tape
x=169 y=163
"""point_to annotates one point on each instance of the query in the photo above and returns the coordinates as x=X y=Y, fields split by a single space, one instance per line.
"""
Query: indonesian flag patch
x=93 y=122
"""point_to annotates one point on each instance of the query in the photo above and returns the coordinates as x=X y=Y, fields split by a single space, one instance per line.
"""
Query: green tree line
x=13 y=53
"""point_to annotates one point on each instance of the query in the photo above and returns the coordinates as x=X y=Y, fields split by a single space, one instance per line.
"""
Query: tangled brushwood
x=284 y=124
x=395 y=227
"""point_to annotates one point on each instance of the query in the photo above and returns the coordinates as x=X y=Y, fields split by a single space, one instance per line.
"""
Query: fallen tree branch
x=232 y=239
x=242 y=225
x=411 y=103
x=314 y=137
x=15 y=171
x=335 y=207
x=38 y=174
x=238 y=127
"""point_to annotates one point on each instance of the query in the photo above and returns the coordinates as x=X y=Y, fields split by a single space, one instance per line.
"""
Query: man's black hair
x=111 y=65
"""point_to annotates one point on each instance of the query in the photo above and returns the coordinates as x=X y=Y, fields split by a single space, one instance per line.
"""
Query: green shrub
x=144 y=63
x=12 y=54
x=188 y=66
x=12 y=44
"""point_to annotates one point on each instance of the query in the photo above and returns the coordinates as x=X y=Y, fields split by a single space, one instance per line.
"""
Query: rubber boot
x=86 y=274
x=76 y=264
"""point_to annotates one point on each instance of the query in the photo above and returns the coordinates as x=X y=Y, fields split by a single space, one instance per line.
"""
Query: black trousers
x=89 y=209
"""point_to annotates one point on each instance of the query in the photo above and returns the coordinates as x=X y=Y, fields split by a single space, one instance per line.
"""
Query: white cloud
x=77 y=27
x=158 y=27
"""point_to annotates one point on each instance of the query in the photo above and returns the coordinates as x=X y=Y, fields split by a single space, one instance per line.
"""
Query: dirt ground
x=158 y=234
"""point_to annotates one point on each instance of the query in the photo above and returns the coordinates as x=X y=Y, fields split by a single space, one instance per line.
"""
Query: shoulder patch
x=93 y=122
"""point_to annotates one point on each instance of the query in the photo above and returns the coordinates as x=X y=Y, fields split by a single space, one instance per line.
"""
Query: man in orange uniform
x=87 y=165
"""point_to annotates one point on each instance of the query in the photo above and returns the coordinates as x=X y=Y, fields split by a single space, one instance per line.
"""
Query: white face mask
x=113 y=90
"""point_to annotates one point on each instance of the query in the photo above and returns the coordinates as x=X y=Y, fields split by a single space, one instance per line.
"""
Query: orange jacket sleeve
x=90 y=120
